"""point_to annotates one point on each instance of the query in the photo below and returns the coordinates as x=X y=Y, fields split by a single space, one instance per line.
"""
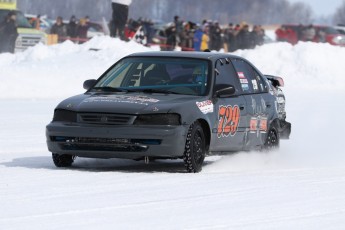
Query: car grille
x=108 y=119
x=30 y=41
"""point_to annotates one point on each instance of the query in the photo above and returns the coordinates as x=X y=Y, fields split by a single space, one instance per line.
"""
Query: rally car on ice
x=170 y=105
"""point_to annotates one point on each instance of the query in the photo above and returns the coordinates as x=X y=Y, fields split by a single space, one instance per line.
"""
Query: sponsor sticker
x=245 y=87
x=255 y=85
x=241 y=75
x=258 y=124
x=205 y=106
x=253 y=125
x=244 y=81
x=122 y=99
x=263 y=124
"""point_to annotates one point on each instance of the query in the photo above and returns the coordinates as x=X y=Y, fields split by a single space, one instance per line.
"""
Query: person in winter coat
x=216 y=37
x=230 y=38
x=257 y=34
x=244 y=38
x=187 y=36
x=197 y=39
x=8 y=33
x=119 y=17
x=83 y=27
x=201 y=38
x=205 y=38
x=59 y=28
x=72 y=28
x=171 y=37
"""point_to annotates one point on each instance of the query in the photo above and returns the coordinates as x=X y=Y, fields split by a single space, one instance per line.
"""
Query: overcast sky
x=322 y=7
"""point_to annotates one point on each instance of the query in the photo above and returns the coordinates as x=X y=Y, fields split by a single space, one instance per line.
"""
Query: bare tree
x=339 y=16
x=225 y=11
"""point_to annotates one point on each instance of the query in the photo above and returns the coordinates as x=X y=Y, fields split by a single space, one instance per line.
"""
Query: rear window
x=329 y=30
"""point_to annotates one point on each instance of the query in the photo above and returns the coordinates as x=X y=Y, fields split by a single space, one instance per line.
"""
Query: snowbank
x=58 y=71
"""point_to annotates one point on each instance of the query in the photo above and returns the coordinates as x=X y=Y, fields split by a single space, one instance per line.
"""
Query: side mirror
x=225 y=90
x=88 y=84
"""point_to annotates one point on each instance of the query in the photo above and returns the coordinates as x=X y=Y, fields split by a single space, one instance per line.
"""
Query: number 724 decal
x=228 y=120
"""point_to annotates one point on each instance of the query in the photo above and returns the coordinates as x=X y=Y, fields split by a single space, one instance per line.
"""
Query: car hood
x=129 y=103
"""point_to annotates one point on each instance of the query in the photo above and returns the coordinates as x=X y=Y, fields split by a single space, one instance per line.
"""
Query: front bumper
x=119 y=141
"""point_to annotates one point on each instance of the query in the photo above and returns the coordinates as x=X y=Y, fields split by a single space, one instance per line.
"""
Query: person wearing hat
x=83 y=27
x=119 y=17
x=8 y=33
x=59 y=28
x=72 y=28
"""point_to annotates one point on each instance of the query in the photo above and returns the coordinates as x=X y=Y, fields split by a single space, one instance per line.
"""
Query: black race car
x=169 y=105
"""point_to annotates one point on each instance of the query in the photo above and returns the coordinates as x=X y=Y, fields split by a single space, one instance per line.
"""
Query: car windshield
x=21 y=21
x=157 y=75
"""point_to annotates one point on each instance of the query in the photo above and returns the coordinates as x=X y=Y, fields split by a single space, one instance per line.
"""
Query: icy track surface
x=300 y=186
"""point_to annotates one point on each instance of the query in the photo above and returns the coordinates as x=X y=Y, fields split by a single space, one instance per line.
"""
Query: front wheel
x=63 y=160
x=195 y=148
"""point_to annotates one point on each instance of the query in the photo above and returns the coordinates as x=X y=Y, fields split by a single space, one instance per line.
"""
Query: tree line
x=224 y=11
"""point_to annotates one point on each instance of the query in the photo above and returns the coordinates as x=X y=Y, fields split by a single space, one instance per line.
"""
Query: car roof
x=314 y=25
x=179 y=54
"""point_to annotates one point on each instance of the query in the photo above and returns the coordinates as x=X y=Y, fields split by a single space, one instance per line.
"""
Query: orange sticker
x=263 y=125
x=253 y=124
x=258 y=124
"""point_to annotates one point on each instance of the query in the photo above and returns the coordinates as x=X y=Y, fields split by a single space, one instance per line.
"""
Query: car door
x=260 y=104
x=231 y=115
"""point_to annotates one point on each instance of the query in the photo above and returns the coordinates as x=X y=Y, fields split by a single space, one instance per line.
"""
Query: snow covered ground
x=300 y=186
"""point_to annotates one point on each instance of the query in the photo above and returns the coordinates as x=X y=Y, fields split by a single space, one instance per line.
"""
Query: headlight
x=339 y=40
x=19 y=41
x=43 y=40
x=65 y=115
x=158 y=119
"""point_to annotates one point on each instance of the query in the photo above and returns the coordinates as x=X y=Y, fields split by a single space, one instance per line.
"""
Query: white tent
x=123 y=2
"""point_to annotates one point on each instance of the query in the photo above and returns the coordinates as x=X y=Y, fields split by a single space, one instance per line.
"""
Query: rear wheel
x=195 y=148
x=63 y=160
x=272 y=139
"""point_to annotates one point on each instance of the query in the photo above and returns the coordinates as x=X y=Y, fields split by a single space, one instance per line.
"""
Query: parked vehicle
x=95 y=29
x=323 y=34
x=45 y=22
x=169 y=105
x=340 y=28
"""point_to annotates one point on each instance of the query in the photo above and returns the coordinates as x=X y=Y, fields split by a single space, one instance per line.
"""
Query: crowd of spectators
x=75 y=30
x=191 y=36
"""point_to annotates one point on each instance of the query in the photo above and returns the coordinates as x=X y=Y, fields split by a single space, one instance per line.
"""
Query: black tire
x=63 y=160
x=272 y=139
x=195 y=148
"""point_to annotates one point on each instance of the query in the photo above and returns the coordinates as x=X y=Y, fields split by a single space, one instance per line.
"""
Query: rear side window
x=226 y=74
x=250 y=79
